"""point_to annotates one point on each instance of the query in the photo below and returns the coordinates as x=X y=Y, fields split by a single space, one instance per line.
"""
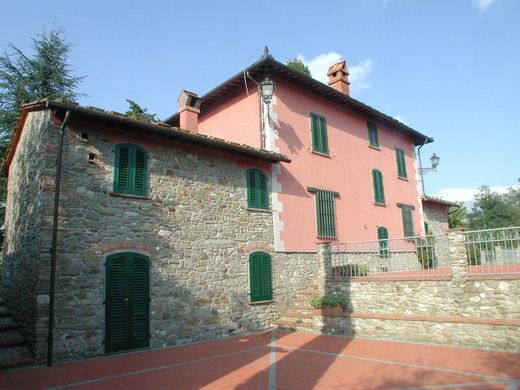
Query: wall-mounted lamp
x=435 y=163
x=267 y=88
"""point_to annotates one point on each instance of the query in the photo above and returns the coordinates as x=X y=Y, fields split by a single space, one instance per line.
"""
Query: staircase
x=300 y=315
x=13 y=349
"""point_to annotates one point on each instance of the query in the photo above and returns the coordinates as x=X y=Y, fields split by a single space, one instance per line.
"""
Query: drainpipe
x=59 y=161
x=420 y=167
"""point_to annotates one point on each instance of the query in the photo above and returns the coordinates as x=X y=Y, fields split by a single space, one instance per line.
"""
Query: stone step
x=15 y=356
x=7 y=323
x=293 y=324
x=296 y=321
x=10 y=337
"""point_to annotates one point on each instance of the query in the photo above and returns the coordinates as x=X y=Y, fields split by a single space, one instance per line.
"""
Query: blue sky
x=448 y=68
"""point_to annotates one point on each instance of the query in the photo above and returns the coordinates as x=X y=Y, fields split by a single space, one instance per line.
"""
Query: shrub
x=318 y=302
x=426 y=252
x=350 y=270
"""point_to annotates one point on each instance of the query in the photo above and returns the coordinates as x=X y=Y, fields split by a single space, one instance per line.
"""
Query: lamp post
x=267 y=88
x=422 y=171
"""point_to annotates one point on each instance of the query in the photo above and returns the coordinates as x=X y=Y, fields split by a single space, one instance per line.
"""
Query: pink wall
x=238 y=119
x=347 y=170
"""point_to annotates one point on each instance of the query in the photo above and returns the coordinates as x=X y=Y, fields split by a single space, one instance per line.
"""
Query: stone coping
x=397 y=278
x=455 y=320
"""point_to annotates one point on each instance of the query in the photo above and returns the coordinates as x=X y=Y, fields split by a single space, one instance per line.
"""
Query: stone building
x=161 y=236
x=436 y=213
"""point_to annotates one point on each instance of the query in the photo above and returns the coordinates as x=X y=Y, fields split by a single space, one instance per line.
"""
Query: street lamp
x=422 y=171
x=267 y=89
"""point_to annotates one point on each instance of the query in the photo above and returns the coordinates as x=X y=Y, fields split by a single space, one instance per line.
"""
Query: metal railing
x=493 y=251
x=401 y=258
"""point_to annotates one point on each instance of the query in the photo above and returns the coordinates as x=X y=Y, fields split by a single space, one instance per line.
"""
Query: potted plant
x=330 y=305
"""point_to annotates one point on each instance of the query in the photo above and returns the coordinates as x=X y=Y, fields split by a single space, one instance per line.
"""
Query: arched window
x=379 y=190
x=257 y=195
x=131 y=170
x=260 y=277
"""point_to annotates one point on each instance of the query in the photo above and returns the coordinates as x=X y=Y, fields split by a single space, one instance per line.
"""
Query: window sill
x=253 y=210
x=402 y=178
x=374 y=147
x=321 y=153
x=122 y=195
x=260 y=303
x=380 y=204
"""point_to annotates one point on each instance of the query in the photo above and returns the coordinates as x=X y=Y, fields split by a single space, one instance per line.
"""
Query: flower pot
x=328 y=310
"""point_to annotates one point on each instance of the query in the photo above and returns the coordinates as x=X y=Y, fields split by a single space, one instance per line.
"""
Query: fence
x=480 y=252
x=493 y=251
x=396 y=257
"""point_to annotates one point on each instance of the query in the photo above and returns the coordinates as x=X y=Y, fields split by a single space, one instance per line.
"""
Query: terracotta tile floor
x=282 y=360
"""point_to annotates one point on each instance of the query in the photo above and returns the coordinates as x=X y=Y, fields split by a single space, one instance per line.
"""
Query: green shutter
x=406 y=213
x=320 y=142
x=131 y=170
x=401 y=164
x=379 y=191
x=257 y=194
x=127 y=318
x=373 y=138
x=382 y=236
x=260 y=277
x=325 y=217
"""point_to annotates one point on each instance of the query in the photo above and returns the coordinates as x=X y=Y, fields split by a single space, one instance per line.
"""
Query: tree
x=457 y=215
x=44 y=75
x=299 y=66
x=493 y=210
x=137 y=112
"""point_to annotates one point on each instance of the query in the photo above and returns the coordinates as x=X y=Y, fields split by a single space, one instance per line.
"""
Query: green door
x=127 y=318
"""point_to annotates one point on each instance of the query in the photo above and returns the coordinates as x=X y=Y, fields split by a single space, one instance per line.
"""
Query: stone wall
x=436 y=216
x=25 y=219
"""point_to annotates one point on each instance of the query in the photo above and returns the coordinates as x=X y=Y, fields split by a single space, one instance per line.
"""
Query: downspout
x=420 y=167
x=59 y=163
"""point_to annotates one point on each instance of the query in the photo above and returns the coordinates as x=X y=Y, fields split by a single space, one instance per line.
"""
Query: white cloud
x=466 y=195
x=358 y=73
x=482 y=4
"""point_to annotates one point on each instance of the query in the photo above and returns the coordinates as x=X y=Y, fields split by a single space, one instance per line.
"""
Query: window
x=373 y=140
x=401 y=165
x=325 y=219
x=379 y=190
x=260 y=277
x=382 y=236
x=320 y=141
x=257 y=195
x=406 y=213
x=131 y=170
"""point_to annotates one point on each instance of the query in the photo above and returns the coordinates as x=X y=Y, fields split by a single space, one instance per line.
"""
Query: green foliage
x=318 y=302
x=135 y=111
x=457 y=216
x=493 y=210
x=299 y=66
x=426 y=252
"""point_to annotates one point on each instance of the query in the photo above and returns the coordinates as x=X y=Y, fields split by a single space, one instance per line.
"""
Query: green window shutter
x=260 y=277
x=139 y=298
x=379 y=191
x=373 y=138
x=131 y=169
x=382 y=236
x=406 y=213
x=401 y=164
x=116 y=321
x=257 y=194
x=325 y=216
x=320 y=142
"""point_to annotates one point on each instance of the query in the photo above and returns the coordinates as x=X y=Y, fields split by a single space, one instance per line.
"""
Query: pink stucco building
x=353 y=174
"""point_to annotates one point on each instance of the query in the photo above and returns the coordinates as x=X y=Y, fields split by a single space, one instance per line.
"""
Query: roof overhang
x=432 y=199
x=268 y=66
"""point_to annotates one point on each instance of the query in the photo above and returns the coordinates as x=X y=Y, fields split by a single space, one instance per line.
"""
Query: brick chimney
x=189 y=109
x=338 y=77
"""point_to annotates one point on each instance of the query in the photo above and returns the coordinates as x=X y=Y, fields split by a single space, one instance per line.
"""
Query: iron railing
x=408 y=257
x=493 y=251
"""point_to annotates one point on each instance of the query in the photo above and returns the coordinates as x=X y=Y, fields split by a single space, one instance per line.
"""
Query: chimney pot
x=189 y=109
x=338 y=77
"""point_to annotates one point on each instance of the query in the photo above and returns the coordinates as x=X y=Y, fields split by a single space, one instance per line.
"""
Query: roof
x=432 y=199
x=267 y=65
x=152 y=128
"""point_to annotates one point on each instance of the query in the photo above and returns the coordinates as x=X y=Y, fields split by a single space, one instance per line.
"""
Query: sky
x=447 y=68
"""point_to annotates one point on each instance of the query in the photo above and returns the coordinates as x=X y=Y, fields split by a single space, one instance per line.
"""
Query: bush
x=426 y=252
x=350 y=270
x=318 y=302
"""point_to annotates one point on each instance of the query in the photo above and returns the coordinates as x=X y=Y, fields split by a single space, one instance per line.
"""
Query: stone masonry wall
x=437 y=217
x=24 y=219
x=196 y=228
